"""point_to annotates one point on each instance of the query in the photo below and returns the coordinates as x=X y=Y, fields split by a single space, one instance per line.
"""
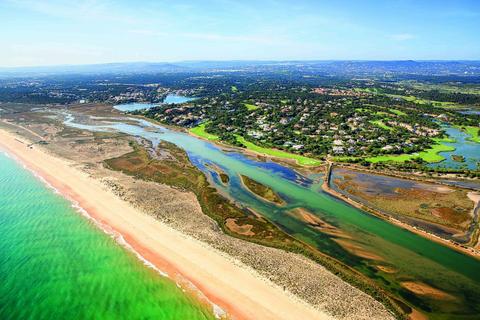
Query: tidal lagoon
x=417 y=263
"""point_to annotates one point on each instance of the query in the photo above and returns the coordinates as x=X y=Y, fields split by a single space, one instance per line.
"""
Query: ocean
x=55 y=263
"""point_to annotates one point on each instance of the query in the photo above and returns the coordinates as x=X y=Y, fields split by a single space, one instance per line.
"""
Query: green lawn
x=469 y=89
x=361 y=110
x=369 y=90
x=200 y=131
x=473 y=132
x=430 y=155
x=440 y=104
x=446 y=139
x=380 y=124
x=250 y=106
x=305 y=161
x=279 y=153
x=398 y=112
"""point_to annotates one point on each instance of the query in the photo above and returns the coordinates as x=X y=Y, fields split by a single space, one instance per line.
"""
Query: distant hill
x=323 y=67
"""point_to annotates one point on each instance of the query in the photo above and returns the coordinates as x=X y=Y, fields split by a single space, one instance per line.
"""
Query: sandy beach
x=234 y=288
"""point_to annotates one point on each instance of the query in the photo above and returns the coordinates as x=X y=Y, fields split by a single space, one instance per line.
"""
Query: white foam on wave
x=7 y=154
x=118 y=237
x=104 y=227
x=33 y=172
x=218 y=312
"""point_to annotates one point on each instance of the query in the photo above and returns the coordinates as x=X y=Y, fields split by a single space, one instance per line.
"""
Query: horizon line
x=233 y=60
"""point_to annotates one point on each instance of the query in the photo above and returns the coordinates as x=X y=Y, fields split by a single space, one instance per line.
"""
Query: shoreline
x=242 y=294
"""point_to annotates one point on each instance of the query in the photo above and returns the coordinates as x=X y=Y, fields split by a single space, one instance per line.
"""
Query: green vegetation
x=368 y=90
x=200 y=131
x=375 y=120
x=380 y=124
x=250 y=106
x=444 y=87
x=345 y=159
x=234 y=88
x=393 y=158
x=430 y=155
x=458 y=158
x=445 y=139
x=278 y=153
x=398 y=112
x=262 y=190
x=361 y=110
x=473 y=132
x=224 y=178
x=440 y=104
x=412 y=98
x=179 y=172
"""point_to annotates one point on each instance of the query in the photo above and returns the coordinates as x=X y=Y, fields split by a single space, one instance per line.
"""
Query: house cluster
x=336 y=125
x=137 y=96
x=340 y=92
x=182 y=115
x=416 y=129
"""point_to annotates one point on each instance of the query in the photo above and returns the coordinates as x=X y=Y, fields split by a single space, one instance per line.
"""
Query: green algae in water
x=55 y=264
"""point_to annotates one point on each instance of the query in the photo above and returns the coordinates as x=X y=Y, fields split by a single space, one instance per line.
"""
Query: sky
x=53 y=32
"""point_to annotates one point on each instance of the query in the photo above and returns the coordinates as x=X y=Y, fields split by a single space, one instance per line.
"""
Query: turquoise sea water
x=56 y=264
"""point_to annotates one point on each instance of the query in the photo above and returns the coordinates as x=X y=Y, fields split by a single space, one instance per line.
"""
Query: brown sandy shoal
x=316 y=222
x=474 y=196
x=386 y=269
x=426 y=290
x=357 y=250
x=245 y=229
x=416 y=315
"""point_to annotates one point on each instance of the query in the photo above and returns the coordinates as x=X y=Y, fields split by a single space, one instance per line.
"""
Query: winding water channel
x=463 y=147
x=411 y=257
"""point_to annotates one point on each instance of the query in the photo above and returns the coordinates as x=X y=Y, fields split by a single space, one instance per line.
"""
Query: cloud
x=402 y=36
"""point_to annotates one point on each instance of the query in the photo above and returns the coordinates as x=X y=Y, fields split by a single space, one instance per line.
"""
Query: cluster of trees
x=289 y=115
x=457 y=97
